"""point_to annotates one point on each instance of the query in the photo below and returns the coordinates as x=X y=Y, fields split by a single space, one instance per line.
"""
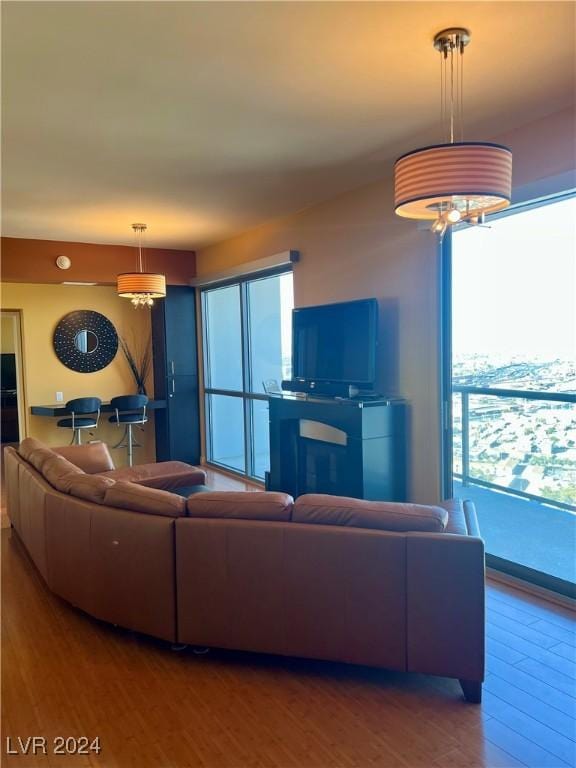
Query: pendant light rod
x=449 y=42
x=139 y=230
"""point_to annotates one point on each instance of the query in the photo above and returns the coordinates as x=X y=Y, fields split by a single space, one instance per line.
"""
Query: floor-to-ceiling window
x=247 y=350
x=514 y=386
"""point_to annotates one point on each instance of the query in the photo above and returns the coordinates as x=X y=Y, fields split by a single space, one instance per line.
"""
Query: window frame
x=244 y=394
x=509 y=567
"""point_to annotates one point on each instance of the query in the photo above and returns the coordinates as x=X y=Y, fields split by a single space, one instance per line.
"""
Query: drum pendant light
x=457 y=180
x=141 y=287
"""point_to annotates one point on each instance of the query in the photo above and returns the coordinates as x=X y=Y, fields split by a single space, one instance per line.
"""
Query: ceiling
x=203 y=119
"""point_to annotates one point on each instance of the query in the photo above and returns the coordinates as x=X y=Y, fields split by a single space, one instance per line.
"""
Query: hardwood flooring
x=66 y=674
x=218 y=480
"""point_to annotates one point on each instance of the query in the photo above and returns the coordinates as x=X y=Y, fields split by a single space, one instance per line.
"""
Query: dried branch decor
x=139 y=359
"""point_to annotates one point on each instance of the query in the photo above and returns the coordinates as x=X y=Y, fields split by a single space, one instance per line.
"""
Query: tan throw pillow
x=91 y=457
x=139 y=498
x=59 y=472
x=90 y=487
x=321 y=509
x=28 y=445
x=242 y=505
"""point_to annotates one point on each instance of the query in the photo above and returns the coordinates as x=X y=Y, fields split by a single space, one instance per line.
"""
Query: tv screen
x=336 y=342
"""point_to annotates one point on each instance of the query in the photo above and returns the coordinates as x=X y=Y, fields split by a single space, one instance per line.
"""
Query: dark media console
x=344 y=447
x=322 y=388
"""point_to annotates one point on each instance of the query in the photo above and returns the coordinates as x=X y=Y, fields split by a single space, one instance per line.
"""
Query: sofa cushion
x=322 y=509
x=91 y=457
x=28 y=445
x=164 y=475
x=39 y=457
x=89 y=487
x=244 y=505
x=59 y=472
x=152 y=501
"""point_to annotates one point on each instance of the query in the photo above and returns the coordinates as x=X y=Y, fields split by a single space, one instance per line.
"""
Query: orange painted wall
x=354 y=246
x=33 y=261
x=41 y=307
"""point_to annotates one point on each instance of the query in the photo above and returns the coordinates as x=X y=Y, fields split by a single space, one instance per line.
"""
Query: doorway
x=13 y=426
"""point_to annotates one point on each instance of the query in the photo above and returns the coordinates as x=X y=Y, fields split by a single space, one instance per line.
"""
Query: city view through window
x=514 y=329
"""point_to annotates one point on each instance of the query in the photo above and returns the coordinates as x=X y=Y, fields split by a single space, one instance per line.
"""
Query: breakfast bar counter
x=59 y=409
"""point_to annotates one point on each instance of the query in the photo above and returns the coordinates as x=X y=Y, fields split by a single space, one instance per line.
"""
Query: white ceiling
x=206 y=118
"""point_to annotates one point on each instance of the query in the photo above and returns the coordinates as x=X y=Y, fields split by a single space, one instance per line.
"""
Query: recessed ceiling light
x=74 y=282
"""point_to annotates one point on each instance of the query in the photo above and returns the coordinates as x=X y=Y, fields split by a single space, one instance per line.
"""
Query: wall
x=544 y=155
x=42 y=306
x=28 y=261
x=7 y=334
x=354 y=246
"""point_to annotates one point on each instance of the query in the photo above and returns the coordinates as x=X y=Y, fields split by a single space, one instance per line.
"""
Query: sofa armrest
x=163 y=475
x=445 y=603
x=471 y=518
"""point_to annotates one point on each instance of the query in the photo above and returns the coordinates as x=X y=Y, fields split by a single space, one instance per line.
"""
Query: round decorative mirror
x=85 y=341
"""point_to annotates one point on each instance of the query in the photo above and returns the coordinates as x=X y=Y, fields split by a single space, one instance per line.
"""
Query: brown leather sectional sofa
x=398 y=586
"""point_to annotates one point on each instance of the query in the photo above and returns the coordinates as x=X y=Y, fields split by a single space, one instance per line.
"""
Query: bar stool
x=85 y=412
x=129 y=410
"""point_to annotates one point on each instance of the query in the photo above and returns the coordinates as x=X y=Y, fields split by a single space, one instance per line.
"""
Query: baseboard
x=531 y=589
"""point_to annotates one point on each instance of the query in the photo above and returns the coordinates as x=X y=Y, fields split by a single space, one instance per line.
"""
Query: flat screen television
x=336 y=343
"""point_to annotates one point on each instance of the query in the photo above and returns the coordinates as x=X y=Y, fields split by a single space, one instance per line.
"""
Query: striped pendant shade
x=134 y=285
x=472 y=177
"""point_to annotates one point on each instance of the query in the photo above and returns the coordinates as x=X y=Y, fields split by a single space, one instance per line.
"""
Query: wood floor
x=66 y=674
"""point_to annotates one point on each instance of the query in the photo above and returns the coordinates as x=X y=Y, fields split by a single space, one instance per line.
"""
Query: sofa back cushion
x=39 y=457
x=89 y=487
x=28 y=445
x=244 y=505
x=139 y=498
x=59 y=472
x=90 y=457
x=322 y=509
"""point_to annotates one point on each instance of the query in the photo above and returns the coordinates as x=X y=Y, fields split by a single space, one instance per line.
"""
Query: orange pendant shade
x=132 y=285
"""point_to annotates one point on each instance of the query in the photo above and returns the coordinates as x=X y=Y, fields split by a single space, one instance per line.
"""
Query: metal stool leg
x=127 y=441
x=130 y=445
x=121 y=443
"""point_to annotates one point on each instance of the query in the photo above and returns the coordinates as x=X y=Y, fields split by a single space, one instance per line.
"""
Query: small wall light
x=63 y=262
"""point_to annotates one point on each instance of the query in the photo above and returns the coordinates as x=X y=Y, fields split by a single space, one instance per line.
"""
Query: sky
x=514 y=285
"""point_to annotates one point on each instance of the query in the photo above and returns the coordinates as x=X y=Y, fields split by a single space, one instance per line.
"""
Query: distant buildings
x=523 y=445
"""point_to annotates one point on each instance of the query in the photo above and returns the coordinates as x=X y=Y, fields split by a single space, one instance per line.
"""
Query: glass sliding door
x=247 y=350
x=225 y=431
x=513 y=335
x=223 y=339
